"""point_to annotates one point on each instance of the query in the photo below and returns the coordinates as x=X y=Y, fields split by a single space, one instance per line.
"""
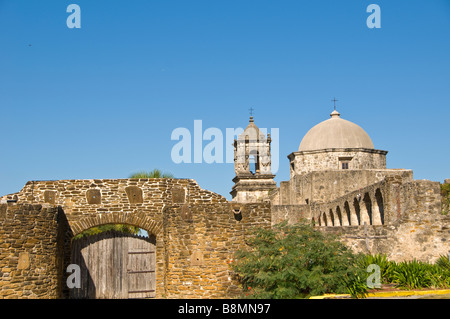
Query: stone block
x=50 y=197
x=186 y=213
x=24 y=261
x=197 y=258
x=94 y=196
x=178 y=195
x=134 y=194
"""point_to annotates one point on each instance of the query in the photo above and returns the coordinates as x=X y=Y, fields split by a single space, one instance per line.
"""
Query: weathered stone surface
x=94 y=196
x=134 y=194
x=24 y=260
x=178 y=195
x=204 y=232
x=49 y=197
x=29 y=265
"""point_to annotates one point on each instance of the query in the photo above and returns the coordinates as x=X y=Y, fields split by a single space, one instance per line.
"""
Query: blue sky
x=102 y=101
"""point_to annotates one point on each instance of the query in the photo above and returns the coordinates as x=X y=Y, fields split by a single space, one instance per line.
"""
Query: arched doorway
x=115 y=265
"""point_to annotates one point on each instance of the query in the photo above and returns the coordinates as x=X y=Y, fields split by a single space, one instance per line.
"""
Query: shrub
x=296 y=261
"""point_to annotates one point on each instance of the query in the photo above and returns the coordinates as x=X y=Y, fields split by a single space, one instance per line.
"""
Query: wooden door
x=141 y=270
x=115 y=265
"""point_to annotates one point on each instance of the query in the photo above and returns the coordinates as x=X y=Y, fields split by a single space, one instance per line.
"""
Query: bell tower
x=252 y=165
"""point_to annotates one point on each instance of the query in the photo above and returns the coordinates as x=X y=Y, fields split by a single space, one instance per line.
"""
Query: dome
x=335 y=133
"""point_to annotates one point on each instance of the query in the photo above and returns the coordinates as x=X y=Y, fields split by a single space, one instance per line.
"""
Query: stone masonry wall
x=31 y=256
x=324 y=186
x=200 y=243
x=305 y=162
x=415 y=227
x=196 y=231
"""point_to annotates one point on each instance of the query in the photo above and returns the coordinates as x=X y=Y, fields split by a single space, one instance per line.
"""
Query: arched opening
x=348 y=213
x=339 y=216
x=357 y=210
x=325 y=219
x=332 y=218
x=368 y=207
x=115 y=263
x=254 y=162
x=380 y=205
x=123 y=228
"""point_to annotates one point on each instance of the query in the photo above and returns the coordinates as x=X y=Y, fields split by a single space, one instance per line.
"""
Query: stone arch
x=367 y=208
x=357 y=210
x=135 y=219
x=378 y=208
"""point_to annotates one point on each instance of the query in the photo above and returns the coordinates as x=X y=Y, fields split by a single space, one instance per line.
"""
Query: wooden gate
x=115 y=265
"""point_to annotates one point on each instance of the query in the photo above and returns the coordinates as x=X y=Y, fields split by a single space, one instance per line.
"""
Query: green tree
x=296 y=261
x=156 y=173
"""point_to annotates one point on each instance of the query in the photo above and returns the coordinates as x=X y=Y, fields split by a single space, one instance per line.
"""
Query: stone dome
x=335 y=133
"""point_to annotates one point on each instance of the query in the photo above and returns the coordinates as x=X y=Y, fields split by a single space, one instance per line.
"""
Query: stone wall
x=412 y=224
x=31 y=251
x=200 y=247
x=290 y=213
x=422 y=237
x=329 y=159
x=249 y=188
x=325 y=186
x=196 y=231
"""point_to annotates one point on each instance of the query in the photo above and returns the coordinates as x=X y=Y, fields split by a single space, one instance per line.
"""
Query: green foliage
x=296 y=261
x=443 y=262
x=156 y=173
x=410 y=274
x=445 y=195
x=103 y=228
x=445 y=190
x=386 y=267
x=357 y=286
